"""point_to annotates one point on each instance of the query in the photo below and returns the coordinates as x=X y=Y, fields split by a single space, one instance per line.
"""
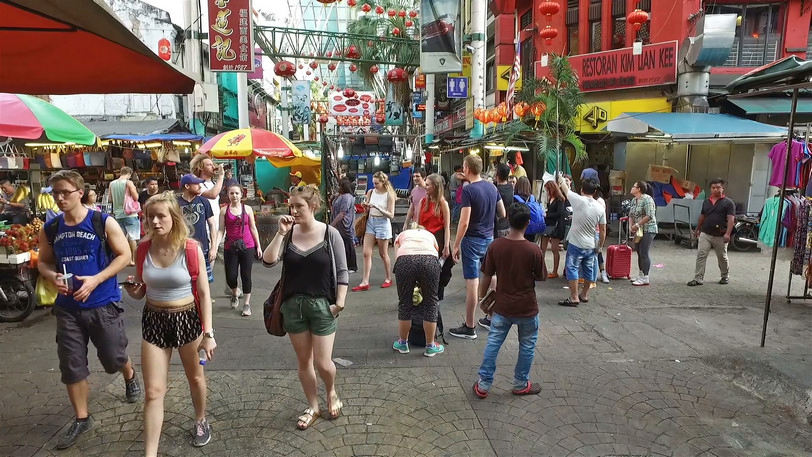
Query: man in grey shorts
x=88 y=304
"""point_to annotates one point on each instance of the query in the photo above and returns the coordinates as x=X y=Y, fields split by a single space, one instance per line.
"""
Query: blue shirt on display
x=482 y=198
x=197 y=212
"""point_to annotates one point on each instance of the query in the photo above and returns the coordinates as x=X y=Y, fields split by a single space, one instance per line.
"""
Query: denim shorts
x=381 y=227
x=580 y=260
x=472 y=253
x=304 y=313
x=131 y=226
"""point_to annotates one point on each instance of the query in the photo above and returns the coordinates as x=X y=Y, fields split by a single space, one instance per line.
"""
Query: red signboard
x=230 y=38
x=621 y=69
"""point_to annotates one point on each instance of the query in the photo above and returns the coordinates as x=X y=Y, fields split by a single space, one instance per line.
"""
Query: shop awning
x=78 y=47
x=771 y=105
x=108 y=129
x=694 y=127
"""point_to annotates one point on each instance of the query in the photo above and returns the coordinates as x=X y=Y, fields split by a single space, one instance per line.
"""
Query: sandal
x=531 y=389
x=307 y=418
x=336 y=406
x=552 y=275
x=583 y=300
x=568 y=302
x=694 y=283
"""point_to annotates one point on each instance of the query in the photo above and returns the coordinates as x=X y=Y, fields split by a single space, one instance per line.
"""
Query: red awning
x=54 y=47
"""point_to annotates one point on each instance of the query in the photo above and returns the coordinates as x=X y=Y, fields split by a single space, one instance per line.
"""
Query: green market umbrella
x=30 y=118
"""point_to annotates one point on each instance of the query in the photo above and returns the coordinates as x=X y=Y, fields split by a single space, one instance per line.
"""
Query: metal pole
x=478 y=57
x=285 y=112
x=429 y=113
x=779 y=215
x=242 y=99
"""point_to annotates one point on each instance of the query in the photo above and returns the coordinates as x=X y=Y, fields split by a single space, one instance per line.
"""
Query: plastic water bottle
x=202 y=354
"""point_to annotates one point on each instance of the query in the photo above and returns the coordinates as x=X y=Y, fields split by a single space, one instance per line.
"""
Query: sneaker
x=202 y=433
x=463 y=331
x=485 y=323
x=641 y=281
x=634 y=279
x=76 y=429
x=235 y=302
x=403 y=347
x=246 y=310
x=228 y=292
x=604 y=277
x=132 y=389
x=434 y=349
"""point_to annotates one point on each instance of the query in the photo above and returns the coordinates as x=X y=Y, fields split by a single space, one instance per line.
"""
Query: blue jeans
x=581 y=261
x=528 y=328
x=472 y=253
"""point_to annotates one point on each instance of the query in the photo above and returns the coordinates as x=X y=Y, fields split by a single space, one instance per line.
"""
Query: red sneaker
x=360 y=288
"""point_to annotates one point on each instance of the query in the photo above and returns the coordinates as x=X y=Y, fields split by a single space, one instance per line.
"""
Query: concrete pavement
x=660 y=370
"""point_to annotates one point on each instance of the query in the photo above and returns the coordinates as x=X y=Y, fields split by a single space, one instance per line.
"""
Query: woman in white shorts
x=381 y=204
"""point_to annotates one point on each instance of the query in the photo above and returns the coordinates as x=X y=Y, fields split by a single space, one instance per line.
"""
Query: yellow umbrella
x=243 y=143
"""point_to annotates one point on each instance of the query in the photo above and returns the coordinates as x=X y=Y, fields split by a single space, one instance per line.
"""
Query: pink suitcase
x=619 y=256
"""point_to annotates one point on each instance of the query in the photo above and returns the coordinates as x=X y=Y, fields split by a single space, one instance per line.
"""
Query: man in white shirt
x=203 y=167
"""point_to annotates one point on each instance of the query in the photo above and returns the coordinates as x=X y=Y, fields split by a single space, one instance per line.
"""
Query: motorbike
x=744 y=236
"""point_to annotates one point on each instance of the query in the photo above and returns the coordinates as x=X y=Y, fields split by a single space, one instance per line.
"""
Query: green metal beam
x=281 y=42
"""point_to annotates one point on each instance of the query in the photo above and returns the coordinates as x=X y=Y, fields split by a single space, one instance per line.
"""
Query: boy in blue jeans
x=517 y=264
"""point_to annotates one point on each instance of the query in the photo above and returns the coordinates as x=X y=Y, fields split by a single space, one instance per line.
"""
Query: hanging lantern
x=637 y=18
x=380 y=118
x=331 y=66
x=478 y=114
x=284 y=68
x=548 y=8
x=308 y=73
x=379 y=9
x=373 y=69
x=352 y=2
x=316 y=78
x=397 y=75
x=324 y=84
x=323 y=119
x=396 y=31
x=353 y=67
x=301 y=66
x=164 y=49
x=402 y=13
x=352 y=53
x=521 y=109
x=409 y=23
x=326 y=2
x=314 y=65
x=412 y=14
x=329 y=54
x=548 y=33
x=349 y=93
x=391 y=13
x=494 y=116
x=366 y=8
x=332 y=86
x=538 y=109
x=503 y=111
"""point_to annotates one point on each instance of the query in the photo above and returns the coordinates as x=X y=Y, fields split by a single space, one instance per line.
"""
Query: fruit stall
x=18 y=270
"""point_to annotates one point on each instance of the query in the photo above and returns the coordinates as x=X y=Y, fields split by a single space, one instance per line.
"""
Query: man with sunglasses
x=74 y=257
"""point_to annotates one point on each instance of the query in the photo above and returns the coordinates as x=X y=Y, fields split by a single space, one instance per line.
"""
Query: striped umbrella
x=30 y=118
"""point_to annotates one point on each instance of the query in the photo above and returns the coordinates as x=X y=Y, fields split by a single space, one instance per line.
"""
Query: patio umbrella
x=30 y=118
x=78 y=47
x=243 y=143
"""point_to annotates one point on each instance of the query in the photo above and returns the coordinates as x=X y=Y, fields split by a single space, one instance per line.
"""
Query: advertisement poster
x=300 y=102
x=230 y=36
x=441 y=32
x=393 y=109
x=360 y=105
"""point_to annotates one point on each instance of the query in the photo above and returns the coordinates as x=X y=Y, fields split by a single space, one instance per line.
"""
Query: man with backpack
x=198 y=213
x=75 y=254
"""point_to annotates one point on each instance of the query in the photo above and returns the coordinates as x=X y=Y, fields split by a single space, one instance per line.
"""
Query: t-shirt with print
x=518 y=264
x=587 y=213
x=481 y=197
x=197 y=212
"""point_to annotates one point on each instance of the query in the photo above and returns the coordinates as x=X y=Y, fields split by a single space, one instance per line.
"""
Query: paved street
x=665 y=370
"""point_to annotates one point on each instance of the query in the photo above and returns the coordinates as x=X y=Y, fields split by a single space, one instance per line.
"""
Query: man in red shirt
x=713 y=230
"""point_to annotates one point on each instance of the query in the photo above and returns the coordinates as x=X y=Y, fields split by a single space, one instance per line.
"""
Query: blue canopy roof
x=157 y=137
x=696 y=126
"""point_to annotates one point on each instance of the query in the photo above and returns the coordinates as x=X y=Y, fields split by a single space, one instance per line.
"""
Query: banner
x=441 y=32
x=258 y=72
x=230 y=36
x=300 y=102
x=394 y=109
x=360 y=105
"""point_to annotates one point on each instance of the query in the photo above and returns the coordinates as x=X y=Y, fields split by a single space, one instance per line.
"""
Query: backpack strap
x=52 y=228
x=98 y=221
x=193 y=266
x=141 y=256
x=333 y=272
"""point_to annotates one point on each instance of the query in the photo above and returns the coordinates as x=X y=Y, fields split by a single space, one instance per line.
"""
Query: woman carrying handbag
x=241 y=246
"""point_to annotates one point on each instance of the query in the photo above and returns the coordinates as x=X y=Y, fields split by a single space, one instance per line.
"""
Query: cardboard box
x=691 y=187
x=617 y=182
x=659 y=173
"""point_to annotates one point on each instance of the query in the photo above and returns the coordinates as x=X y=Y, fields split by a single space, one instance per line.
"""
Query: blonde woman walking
x=380 y=203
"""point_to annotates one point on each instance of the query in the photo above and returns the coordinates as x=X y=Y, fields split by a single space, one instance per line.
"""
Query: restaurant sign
x=621 y=69
x=230 y=36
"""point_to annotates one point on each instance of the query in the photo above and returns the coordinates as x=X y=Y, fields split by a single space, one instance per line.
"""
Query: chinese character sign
x=300 y=102
x=230 y=36
x=393 y=109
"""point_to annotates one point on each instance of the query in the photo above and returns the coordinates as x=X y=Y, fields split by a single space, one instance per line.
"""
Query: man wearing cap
x=197 y=212
x=296 y=181
x=204 y=168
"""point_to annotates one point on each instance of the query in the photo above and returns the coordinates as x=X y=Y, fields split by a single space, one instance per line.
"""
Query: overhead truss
x=281 y=42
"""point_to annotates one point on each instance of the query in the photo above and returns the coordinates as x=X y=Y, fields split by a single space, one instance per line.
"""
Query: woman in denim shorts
x=313 y=292
x=380 y=203
x=171 y=320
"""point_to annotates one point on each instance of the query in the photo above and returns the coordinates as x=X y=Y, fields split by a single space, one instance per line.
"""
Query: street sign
x=457 y=87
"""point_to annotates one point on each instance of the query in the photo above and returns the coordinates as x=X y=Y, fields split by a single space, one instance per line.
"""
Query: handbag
x=549 y=231
x=486 y=302
x=361 y=223
x=272 y=308
x=238 y=246
x=131 y=205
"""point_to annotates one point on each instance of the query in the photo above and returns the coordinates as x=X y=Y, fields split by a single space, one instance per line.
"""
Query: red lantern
x=164 y=49
x=392 y=13
x=326 y=2
x=396 y=31
x=379 y=9
x=314 y=65
x=331 y=66
x=402 y=13
x=637 y=18
x=349 y=93
x=548 y=33
x=397 y=75
x=353 y=67
x=329 y=54
x=284 y=68
x=323 y=119
x=409 y=23
x=494 y=116
x=301 y=66
x=502 y=111
x=308 y=73
x=380 y=118
x=352 y=52
x=548 y=8
x=352 y=2
x=316 y=78
x=412 y=14
x=478 y=113
x=373 y=69
x=366 y=8
x=538 y=109
x=324 y=84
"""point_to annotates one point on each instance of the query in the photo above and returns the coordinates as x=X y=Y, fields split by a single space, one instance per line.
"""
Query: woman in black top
x=555 y=219
x=314 y=289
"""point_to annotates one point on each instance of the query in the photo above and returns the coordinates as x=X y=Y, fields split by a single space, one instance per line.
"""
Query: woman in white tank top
x=380 y=203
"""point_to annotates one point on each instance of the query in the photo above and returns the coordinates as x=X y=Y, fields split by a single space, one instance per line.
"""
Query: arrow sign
x=457 y=87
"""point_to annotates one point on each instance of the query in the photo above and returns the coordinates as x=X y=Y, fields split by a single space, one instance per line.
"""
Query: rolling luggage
x=619 y=256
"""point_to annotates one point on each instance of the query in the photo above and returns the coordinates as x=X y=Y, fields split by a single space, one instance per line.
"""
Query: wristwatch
x=209 y=334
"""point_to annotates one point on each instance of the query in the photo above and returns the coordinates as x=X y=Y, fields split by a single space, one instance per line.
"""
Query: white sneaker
x=641 y=281
x=235 y=302
x=228 y=292
x=604 y=277
x=634 y=279
x=246 y=309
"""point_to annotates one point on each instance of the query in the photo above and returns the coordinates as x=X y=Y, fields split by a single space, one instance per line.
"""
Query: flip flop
x=307 y=418
x=531 y=389
x=568 y=302
x=583 y=300
x=336 y=406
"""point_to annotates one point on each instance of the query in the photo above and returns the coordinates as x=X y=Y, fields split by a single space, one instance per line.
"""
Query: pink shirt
x=416 y=242
x=233 y=229
x=778 y=157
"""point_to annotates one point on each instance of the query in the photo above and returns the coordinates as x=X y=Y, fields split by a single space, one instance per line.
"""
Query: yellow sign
x=503 y=77
x=592 y=117
x=466 y=66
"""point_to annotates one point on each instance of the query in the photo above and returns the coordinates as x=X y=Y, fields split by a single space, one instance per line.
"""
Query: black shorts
x=104 y=326
x=171 y=328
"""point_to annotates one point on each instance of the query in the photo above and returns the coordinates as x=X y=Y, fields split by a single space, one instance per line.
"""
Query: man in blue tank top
x=88 y=304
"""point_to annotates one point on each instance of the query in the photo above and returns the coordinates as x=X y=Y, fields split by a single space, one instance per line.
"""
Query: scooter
x=744 y=236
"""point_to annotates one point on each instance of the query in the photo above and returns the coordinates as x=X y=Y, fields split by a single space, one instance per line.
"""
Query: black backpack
x=417 y=336
x=52 y=228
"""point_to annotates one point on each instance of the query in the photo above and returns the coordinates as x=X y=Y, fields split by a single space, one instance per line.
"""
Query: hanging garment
x=778 y=157
x=766 y=233
x=799 y=251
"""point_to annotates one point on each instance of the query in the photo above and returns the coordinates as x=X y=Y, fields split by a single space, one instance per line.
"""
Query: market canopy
x=787 y=71
x=29 y=118
x=695 y=127
x=242 y=143
x=771 y=105
x=147 y=130
x=78 y=47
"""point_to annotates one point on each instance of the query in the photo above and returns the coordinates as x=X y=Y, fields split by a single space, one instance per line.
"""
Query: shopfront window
x=572 y=39
x=758 y=36
x=595 y=37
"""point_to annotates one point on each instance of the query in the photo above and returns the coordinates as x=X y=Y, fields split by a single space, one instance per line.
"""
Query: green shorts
x=303 y=313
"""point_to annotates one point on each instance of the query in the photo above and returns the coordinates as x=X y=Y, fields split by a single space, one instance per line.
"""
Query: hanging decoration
x=353 y=53
x=353 y=67
x=538 y=110
x=392 y=13
x=284 y=68
x=164 y=49
x=408 y=23
x=637 y=18
x=352 y=2
x=323 y=119
x=326 y=2
x=412 y=14
x=314 y=65
x=366 y=8
x=548 y=33
x=396 y=31
x=379 y=9
x=549 y=8
x=397 y=75
x=402 y=13
x=373 y=69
